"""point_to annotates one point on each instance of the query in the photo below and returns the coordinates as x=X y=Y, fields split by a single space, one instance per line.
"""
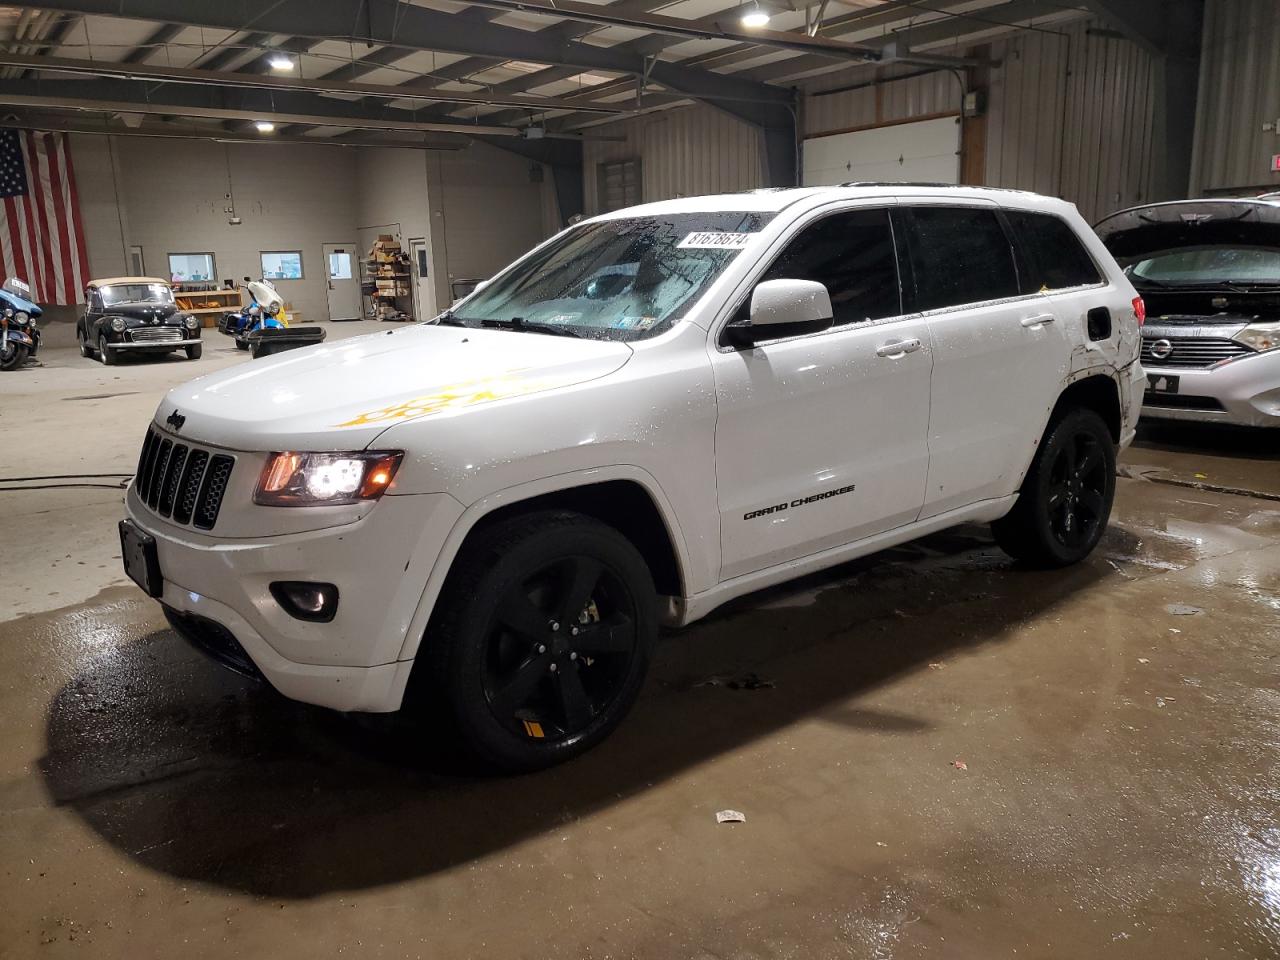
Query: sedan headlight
x=1260 y=336
x=117 y=324
x=191 y=323
x=318 y=479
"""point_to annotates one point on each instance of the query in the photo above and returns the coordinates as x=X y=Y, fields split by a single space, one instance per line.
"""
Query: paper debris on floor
x=731 y=816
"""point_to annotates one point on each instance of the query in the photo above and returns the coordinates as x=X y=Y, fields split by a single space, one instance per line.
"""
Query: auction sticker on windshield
x=714 y=241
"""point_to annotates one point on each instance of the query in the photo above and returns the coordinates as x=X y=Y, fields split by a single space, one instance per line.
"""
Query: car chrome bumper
x=1243 y=392
x=154 y=344
x=351 y=663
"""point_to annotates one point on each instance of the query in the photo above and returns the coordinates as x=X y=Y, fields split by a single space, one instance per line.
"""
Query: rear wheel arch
x=1095 y=390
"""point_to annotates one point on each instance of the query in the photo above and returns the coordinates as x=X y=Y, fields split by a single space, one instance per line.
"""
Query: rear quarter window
x=1053 y=256
x=959 y=255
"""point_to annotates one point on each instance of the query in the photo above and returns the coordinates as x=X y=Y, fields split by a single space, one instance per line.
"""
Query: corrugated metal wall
x=1239 y=91
x=913 y=96
x=1072 y=114
x=684 y=152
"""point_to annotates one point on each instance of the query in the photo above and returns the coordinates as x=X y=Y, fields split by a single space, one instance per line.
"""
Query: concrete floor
x=938 y=753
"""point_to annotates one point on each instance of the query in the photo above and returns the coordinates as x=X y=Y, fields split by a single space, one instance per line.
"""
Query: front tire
x=12 y=355
x=105 y=353
x=542 y=639
x=194 y=351
x=1066 y=498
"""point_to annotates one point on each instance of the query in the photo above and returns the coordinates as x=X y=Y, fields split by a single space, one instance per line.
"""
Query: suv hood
x=341 y=396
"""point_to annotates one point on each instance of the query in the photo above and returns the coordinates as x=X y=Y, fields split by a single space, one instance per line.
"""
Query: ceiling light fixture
x=755 y=17
x=264 y=126
x=280 y=62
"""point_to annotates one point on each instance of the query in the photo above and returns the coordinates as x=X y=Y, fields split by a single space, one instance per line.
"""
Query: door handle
x=897 y=348
x=1037 y=321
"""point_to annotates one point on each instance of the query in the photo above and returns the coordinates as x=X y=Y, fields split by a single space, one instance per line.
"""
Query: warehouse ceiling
x=435 y=72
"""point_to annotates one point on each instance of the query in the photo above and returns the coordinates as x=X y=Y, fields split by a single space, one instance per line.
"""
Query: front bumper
x=380 y=564
x=1243 y=392
x=154 y=345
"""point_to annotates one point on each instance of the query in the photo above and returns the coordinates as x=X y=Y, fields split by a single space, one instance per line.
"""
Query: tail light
x=1140 y=310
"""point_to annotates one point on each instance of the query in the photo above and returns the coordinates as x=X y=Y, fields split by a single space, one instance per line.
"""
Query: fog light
x=317 y=602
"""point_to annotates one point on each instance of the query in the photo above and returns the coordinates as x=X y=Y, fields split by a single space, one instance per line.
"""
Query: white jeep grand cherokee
x=651 y=413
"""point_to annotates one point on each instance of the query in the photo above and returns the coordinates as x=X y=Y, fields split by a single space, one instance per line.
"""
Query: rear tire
x=1065 y=500
x=194 y=351
x=83 y=342
x=526 y=681
x=241 y=345
x=105 y=353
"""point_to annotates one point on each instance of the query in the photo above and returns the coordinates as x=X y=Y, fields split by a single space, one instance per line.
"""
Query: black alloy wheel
x=1065 y=500
x=540 y=640
x=560 y=648
x=1077 y=490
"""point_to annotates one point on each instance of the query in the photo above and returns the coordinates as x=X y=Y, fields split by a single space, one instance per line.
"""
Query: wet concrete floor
x=938 y=753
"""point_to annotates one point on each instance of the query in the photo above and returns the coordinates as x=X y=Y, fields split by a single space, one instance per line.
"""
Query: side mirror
x=783 y=308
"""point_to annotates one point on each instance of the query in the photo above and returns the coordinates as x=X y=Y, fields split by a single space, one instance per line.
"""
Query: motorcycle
x=19 y=333
x=262 y=327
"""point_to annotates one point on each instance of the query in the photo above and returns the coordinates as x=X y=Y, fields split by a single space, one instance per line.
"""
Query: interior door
x=822 y=439
x=999 y=356
x=424 y=297
x=342 y=274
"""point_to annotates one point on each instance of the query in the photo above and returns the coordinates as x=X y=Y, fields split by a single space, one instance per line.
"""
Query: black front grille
x=215 y=640
x=182 y=482
x=1190 y=351
x=1180 y=401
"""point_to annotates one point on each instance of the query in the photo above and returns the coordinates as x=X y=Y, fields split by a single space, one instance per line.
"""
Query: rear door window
x=852 y=254
x=959 y=255
x=1053 y=256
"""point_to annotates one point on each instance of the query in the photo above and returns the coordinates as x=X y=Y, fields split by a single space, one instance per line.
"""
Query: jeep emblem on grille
x=176 y=420
x=1160 y=350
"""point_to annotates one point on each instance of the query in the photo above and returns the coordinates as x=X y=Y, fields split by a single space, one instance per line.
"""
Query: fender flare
x=473 y=513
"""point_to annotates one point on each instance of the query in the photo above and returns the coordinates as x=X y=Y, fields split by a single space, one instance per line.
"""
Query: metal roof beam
x=407 y=25
x=112 y=95
x=253 y=80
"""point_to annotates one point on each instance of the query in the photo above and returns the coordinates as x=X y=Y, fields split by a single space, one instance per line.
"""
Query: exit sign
x=1275 y=163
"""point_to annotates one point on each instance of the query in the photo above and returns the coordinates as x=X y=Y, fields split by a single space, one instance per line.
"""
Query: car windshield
x=622 y=279
x=1211 y=266
x=135 y=293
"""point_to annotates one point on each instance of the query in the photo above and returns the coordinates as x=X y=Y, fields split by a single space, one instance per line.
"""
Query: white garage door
x=926 y=151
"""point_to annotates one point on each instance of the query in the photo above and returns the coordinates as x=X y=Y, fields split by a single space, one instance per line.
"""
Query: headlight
x=21 y=318
x=8 y=312
x=1260 y=336
x=117 y=324
x=191 y=323
x=315 y=479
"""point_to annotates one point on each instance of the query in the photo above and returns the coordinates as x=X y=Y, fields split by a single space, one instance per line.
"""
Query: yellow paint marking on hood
x=458 y=395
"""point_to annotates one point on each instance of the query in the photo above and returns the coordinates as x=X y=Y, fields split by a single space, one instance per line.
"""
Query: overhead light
x=280 y=62
x=264 y=126
x=755 y=16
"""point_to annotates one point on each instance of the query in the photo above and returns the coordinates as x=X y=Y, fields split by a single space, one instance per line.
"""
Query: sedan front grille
x=182 y=482
x=1190 y=351
x=155 y=334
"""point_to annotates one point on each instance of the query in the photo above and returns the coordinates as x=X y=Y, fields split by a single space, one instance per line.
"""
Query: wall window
x=282 y=264
x=192 y=267
x=618 y=184
x=852 y=254
x=1055 y=257
x=960 y=255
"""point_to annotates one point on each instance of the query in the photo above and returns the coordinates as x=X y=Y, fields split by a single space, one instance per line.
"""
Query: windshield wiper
x=447 y=319
x=521 y=324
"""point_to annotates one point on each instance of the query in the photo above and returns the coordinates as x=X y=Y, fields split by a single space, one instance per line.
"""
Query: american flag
x=41 y=236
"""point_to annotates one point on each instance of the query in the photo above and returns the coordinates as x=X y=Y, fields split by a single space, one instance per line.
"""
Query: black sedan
x=134 y=315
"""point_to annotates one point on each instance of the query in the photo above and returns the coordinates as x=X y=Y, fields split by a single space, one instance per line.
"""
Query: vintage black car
x=134 y=315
